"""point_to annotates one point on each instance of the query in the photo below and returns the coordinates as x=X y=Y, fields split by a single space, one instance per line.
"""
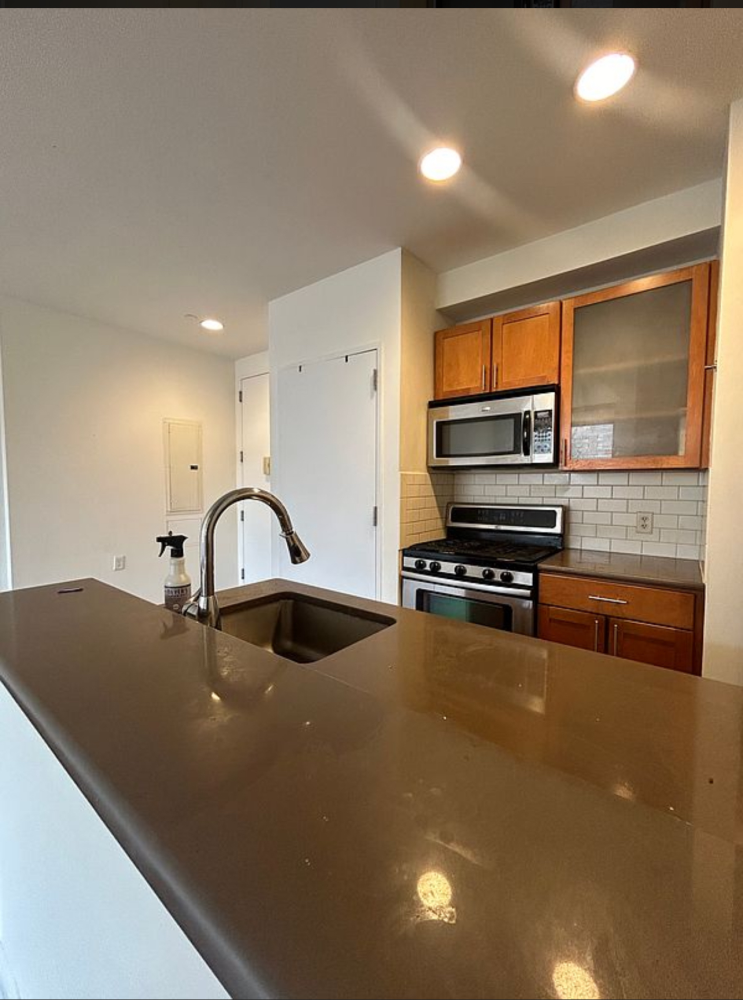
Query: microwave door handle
x=526 y=434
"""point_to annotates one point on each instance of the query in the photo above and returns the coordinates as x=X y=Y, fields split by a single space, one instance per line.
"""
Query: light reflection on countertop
x=437 y=811
x=573 y=982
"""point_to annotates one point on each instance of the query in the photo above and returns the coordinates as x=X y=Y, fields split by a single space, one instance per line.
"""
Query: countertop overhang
x=440 y=810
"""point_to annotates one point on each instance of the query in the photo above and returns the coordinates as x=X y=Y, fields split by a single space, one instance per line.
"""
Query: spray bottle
x=177 y=582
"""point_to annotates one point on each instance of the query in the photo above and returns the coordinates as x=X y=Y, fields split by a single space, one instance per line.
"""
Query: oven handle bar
x=523 y=593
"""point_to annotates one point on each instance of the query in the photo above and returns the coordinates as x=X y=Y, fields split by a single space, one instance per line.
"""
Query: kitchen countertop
x=654 y=570
x=439 y=811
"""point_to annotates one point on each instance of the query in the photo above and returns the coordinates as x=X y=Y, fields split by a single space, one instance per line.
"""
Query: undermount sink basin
x=299 y=628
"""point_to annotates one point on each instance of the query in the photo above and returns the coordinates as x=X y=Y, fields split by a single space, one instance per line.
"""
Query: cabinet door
x=656 y=644
x=526 y=347
x=633 y=361
x=462 y=362
x=572 y=628
x=710 y=367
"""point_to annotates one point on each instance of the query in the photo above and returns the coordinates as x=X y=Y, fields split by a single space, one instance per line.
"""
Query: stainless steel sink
x=300 y=628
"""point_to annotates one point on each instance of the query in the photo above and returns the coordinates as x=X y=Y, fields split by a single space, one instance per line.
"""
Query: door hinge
x=240 y=396
x=242 y=515
x=375 y=380
x=242 y=457
x=375 y=516
x=242 y=574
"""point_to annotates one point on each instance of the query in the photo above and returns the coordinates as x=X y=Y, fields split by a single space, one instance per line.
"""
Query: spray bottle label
x=176 y=597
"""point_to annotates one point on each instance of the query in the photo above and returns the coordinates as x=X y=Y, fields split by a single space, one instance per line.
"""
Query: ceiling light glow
x=605 y=77
x=212 y=324
x=440 y=164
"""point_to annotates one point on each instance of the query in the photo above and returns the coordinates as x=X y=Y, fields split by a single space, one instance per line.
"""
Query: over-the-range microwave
x=518 y=427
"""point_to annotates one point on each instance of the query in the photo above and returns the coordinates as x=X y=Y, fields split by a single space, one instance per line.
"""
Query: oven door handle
x=526 y=434
x=520 y=594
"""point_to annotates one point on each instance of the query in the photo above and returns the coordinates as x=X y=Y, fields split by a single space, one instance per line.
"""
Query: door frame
x=242 y=525
x=247 y=367
x=379 y=453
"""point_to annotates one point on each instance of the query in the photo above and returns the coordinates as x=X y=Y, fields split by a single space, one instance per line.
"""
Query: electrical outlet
x=644 y=523
x=119 y=563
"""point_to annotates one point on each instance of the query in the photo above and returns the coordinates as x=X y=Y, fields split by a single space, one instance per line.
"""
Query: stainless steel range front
x=485 y=570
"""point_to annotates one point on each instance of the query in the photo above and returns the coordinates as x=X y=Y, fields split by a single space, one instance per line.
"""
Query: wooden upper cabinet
x=463 y=360
x=526 y=347
x=672 y=648
x=633 y=362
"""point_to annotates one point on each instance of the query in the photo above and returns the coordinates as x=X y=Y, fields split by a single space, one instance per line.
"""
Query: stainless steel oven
x=479 y=604
x=502 y=428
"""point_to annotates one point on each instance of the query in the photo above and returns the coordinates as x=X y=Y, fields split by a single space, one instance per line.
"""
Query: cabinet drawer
x=620 y=600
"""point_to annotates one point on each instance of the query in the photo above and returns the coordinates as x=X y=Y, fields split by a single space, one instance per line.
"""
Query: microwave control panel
x=543 y=437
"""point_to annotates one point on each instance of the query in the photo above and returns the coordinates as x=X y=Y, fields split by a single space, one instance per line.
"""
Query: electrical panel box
x=183 y=471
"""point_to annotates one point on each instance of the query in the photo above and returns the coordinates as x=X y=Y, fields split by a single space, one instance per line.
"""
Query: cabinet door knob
x=616 y=637
x=596 y=636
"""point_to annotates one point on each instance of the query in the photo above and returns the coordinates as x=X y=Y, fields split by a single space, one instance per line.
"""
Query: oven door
x=505 y=611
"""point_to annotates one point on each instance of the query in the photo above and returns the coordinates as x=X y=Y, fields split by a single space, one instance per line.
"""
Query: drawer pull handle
x=607 y=600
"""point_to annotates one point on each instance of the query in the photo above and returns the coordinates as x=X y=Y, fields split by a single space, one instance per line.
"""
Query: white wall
x=77 y=919
x=723 y=648
x=662 y=220
x=84 y=406
x=358 y=308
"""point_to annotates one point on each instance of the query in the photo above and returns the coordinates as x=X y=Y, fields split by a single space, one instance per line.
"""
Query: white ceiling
x=161 y=162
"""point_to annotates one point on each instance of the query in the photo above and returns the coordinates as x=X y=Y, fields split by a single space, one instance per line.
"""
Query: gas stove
x=488 y=549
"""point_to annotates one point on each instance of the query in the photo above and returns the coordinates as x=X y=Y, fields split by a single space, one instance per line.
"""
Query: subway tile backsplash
x=423 y=500
x=603 y=506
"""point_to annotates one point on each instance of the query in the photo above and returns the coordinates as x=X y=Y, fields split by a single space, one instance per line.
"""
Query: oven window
x=464 y=609
x=474 y=437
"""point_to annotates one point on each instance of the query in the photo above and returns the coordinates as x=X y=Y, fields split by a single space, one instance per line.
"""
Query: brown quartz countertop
x=441 y=810
x=654 y=570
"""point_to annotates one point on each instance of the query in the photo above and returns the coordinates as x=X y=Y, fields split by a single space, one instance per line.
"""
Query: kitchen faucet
x=204 y=605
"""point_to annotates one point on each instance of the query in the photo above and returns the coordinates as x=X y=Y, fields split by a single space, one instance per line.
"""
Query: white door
x=327 y=438
x=255 y=523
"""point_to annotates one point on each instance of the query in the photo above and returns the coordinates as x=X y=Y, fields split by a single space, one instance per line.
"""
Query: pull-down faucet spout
x=204 y=605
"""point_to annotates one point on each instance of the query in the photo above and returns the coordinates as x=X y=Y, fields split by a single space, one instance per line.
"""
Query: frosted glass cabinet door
x=633 y=373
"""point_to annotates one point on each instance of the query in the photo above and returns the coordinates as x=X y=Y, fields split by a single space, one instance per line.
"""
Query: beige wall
x=660 y=221
x=723 y=653
x=84 y=410
x=419 y=320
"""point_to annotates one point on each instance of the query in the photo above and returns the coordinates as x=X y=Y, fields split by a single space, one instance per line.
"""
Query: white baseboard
x=8 y=988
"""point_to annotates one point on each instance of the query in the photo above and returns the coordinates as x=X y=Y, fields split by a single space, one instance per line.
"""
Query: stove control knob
x=420 y=563
x=488 y=574
x=506 y=577
x=435 y=567
x=460 y=570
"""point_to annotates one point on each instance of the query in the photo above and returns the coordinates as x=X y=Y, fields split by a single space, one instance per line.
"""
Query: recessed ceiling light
x=440 y=164
x=212 y=324
x=605 y=77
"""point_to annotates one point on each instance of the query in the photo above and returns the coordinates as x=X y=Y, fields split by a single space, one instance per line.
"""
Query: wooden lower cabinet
x=657 y=644
x=668 y=636
x=572 y=628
